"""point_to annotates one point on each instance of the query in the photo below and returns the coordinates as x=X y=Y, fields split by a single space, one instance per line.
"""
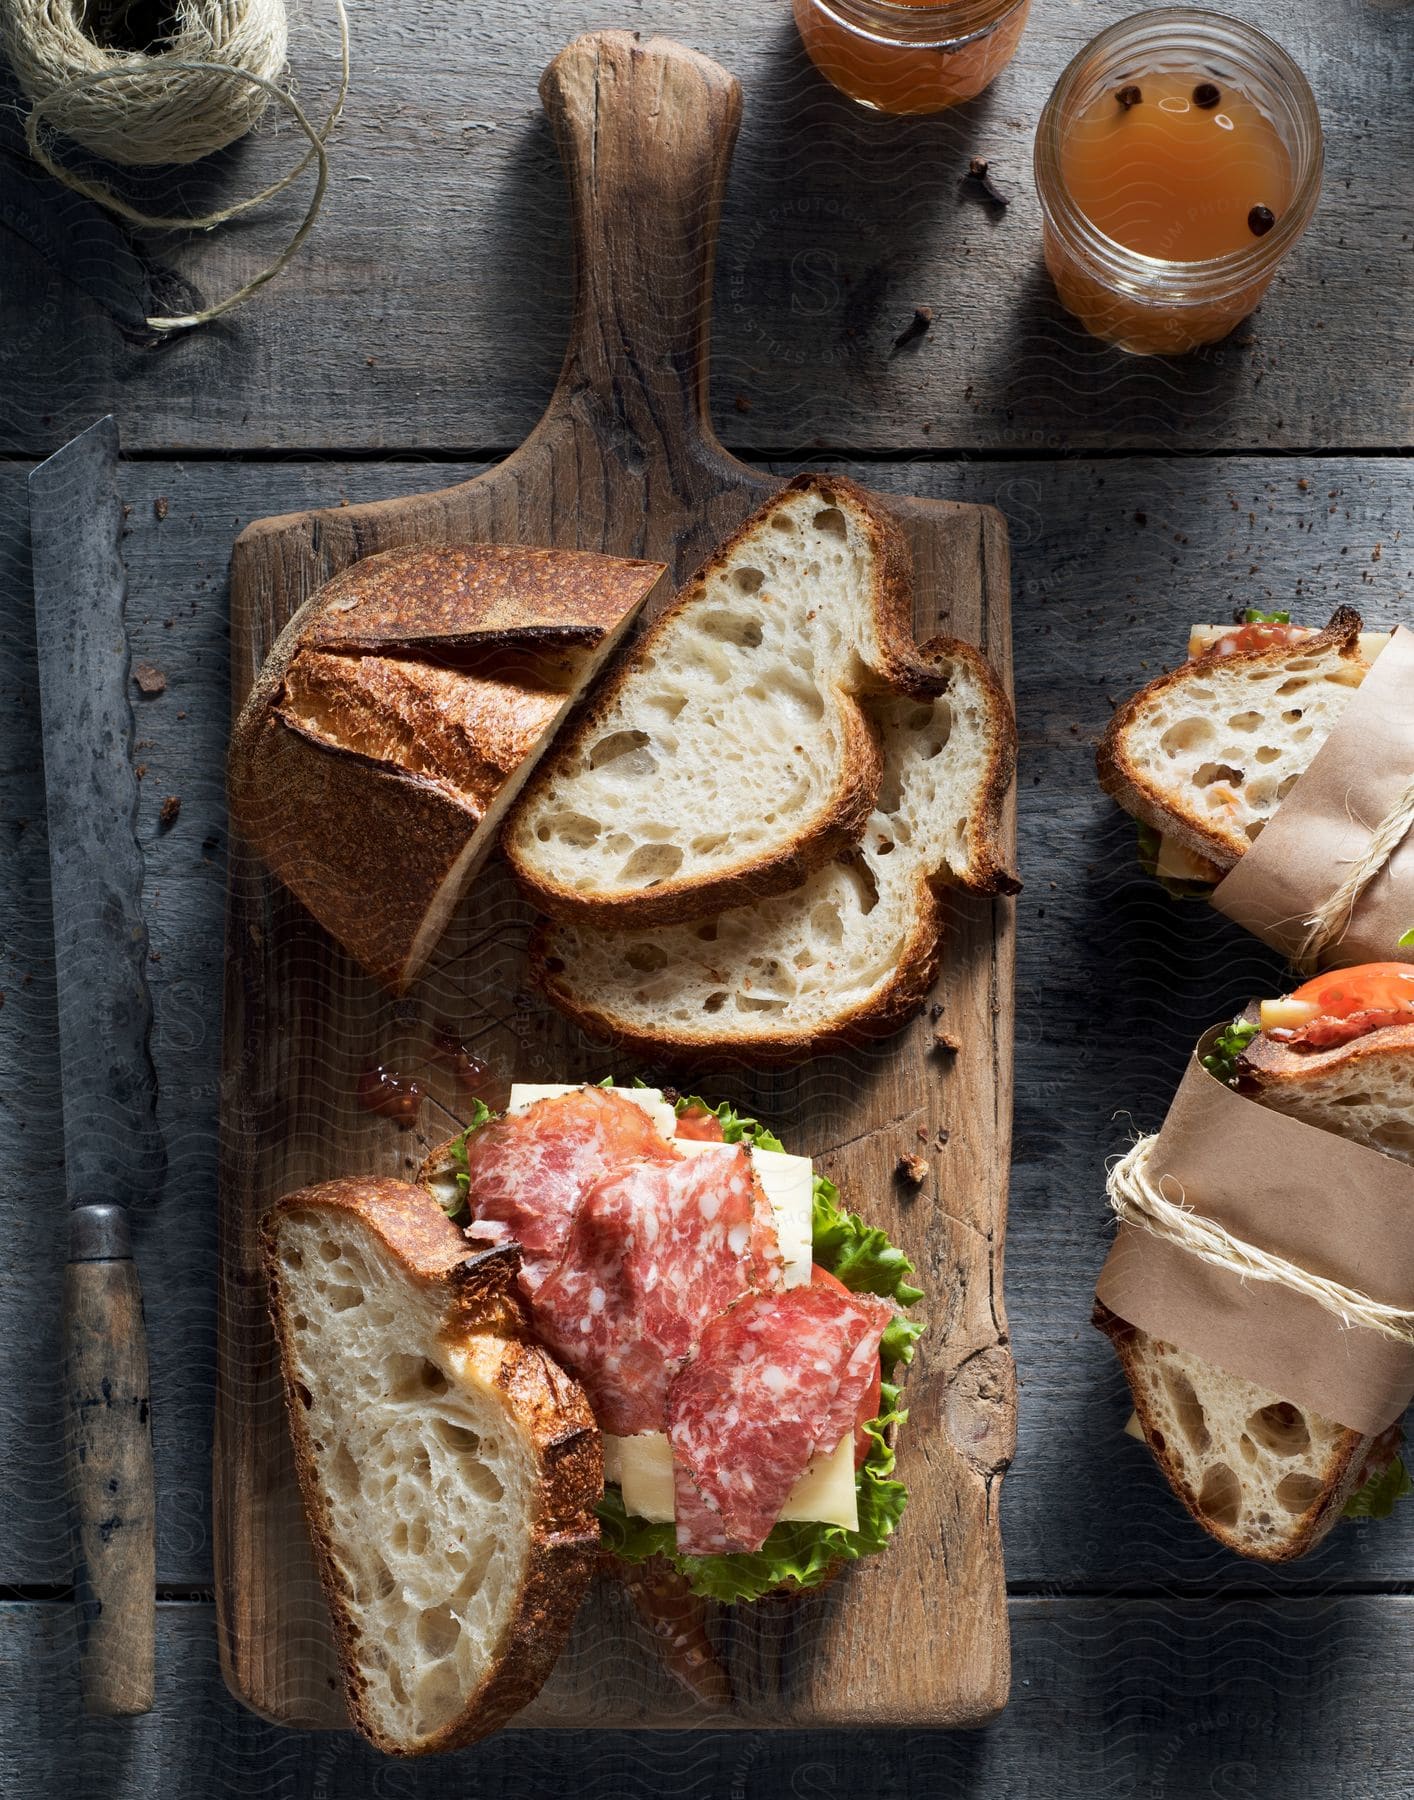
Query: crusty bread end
x=449 y=1468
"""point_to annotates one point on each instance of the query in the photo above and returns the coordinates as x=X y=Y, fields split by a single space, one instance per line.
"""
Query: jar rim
x=1175 y=26
x=965 y=19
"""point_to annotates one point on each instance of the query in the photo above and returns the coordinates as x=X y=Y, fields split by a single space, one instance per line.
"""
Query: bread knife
x=113 y=1152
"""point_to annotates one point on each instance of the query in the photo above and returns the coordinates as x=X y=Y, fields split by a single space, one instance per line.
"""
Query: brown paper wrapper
x=1333 y=1208
x=1325 y=823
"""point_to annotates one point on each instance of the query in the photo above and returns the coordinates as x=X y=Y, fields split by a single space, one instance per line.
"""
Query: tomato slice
x=1347 y=1003
x=869 y=1403
x=1259 y=637
x=701 y=1125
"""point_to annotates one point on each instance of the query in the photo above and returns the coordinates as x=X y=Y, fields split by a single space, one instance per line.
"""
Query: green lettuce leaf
x=736 y=1127
x=859 y=1255
x=1229 y=1044
x=1376 y=1500
x=1253 y=617
x=1407 y=939
x=480 y=1114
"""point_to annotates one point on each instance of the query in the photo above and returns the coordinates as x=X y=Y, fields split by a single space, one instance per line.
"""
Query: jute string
x=1331 y=919
x=1137 y=1200
x=210 y=85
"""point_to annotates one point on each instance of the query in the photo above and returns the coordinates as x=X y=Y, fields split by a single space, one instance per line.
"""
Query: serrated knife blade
x=113 y=1152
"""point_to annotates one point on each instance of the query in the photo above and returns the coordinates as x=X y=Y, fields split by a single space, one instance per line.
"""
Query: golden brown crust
x=446 y=595
x=486 y=1331
x=1125 y=782
x=841 y=824
x=1344 y=1467
x=989 y=869
x=361 y=765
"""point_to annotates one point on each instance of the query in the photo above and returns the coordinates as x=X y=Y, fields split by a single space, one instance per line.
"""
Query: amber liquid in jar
x=911 y=56
x=1177 y=168
x=1178 y=161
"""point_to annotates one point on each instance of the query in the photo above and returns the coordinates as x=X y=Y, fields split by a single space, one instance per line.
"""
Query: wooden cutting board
x=625 y=461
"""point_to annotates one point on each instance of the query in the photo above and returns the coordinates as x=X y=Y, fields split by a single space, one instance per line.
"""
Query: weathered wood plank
x=431 y=305
x=1113 y=982
x=1236 y=1700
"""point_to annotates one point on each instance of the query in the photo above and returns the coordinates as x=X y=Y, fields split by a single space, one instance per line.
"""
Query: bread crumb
x=171 y=806
x=150 y=679
x=914 y=1168
x=159 y=506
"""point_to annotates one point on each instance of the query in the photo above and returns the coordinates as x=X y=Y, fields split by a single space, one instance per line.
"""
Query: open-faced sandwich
x=1265 y=1476
x=1204 y=755
x=603 y=1301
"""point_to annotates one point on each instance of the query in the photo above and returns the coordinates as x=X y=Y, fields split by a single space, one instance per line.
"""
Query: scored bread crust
x=1135 y=788
x=572 y=964
x=836 y=825
x=485 y=1326
x=1342 y=1467
x=376 y=848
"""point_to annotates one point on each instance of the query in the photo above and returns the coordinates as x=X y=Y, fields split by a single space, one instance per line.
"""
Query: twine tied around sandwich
x=1332 y=918
x=211 y=80
x=1140 y=1201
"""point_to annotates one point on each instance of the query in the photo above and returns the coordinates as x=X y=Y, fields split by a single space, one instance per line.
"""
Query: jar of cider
x=898 y=57
x=1178 y=161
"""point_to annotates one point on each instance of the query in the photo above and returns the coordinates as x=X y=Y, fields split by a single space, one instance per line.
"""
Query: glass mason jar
x=902 y=58
x=1142 y=303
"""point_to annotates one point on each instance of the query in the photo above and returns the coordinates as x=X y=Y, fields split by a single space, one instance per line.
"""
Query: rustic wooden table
x=422 y=326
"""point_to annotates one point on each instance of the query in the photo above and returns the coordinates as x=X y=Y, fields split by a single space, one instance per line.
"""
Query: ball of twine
x=207 y=88
x=175 y=104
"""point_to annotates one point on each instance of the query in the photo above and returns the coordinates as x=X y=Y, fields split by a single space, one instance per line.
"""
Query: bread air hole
x=1186 y=737
x=1220 y=1496
x=1187 y=1409
x=1293 y=717
x=1245 y=721
x=737 y=629
x=714 y=1002
x=627 y=751
x=1248 y=1448
x=1396 y=1138
x=831 y=521
x=1210 y=772
x=1280 y=1429
x=646 y=958
x=573 y=829
x=1268 y=753
x=651 y=863
x=1298 y=1492
x=748 y=581
x=437 y=1632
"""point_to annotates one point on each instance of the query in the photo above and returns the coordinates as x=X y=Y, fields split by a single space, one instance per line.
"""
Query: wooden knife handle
x=110 y=1463
x=646 y=130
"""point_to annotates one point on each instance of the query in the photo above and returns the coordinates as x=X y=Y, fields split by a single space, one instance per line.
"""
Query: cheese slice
x=524 y=1094
x=788 y=1183
x=643 y=1468
x=1175 y=862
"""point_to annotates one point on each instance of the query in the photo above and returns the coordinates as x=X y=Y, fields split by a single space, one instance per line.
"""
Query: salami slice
x=773 y=1380
x=529 y=1171
x=655 y=1251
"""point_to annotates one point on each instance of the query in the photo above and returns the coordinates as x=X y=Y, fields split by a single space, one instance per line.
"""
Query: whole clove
x=916 y=327
x=979 y=171
x=1129 y=95
x=1260 y=220
x=1206 y=95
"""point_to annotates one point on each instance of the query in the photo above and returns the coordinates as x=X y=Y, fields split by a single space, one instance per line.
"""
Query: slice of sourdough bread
x=852 y=952
x=1264 y=1477
x=449 y=1468
x=729 y=755
x=1206 y=753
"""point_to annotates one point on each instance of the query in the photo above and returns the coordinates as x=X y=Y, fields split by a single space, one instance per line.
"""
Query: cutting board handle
x=646 y=129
